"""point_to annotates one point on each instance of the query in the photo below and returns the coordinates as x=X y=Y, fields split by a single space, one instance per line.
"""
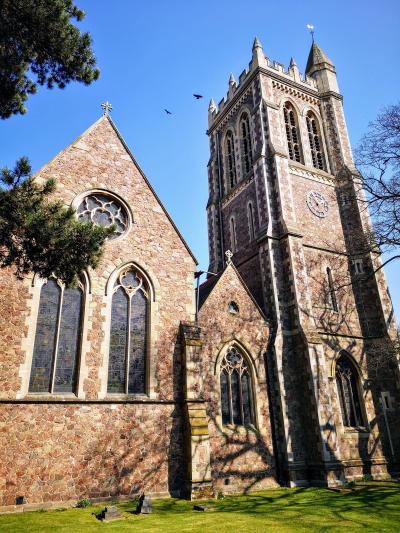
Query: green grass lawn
x=373 y=506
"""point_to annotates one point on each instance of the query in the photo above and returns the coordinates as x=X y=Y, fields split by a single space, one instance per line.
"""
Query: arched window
x=314 y=137
x=232 y=230
x=349 y=398
x=57 y=340
x=246 y=143
x=250 y=218
x=128 y=335
x=331 y=290
x=236 y=390
x=230 y=160
x=292 y=132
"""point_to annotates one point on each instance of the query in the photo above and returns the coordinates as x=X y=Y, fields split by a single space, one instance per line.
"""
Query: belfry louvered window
x=292 y=133
x=347 y=387
x=128 y=334
x=245 y=132
x=314 y=137
x=236 y=390
x=230 y=160
x=57 y=339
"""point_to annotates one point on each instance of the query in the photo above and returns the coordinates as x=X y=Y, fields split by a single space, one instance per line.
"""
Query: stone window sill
x=121 y=397
x=356 y=430
x=242 y=430
x=45 y=396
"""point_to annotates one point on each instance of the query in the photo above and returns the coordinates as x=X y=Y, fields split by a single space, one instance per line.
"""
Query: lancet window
x=349 y=397
x=56 y=348
x=292 y=132
x=127 y=365
x=230 y=160
x=232 y=230
x=331 y=290
x=246 y=143
x=250 y=218
x=236 y=390
x=314 y=137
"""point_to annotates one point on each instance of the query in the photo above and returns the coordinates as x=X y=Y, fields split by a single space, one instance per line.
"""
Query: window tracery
x=314 y=137
x=246 y=143
x=230 y=159
x=292 y=132
x=57 y=339
x=103 y=210
x=349 y=398
x=128 y=334
x=236 y=390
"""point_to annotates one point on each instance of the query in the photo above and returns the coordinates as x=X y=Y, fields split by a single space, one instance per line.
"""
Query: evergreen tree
x=40 y=235
x=39 y=45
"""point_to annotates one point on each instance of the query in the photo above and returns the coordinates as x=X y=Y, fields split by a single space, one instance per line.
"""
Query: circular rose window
x=104 y=210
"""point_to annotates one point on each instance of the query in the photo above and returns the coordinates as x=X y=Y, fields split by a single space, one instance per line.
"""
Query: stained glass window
x=292 y=132
x=236 y=390
x=349 y=398
x=246 y=143
x=230 y=159
x=103 y=210
x=57 y=340
x=314 y=138
x=128 y=335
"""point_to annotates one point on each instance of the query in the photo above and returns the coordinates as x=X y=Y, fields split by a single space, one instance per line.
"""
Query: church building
x=279 y=369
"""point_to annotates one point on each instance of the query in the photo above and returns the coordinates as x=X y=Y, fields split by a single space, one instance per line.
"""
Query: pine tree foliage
x=40 y=235
x=40 y=46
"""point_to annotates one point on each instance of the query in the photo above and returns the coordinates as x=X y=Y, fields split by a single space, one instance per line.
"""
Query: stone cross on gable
x=107 y=107
x=229 y=256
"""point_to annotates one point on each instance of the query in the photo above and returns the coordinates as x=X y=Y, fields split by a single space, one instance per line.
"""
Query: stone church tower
x=284 y=197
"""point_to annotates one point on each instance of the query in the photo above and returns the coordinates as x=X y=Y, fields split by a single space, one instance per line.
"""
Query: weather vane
x=310 y=27
x=107 y=107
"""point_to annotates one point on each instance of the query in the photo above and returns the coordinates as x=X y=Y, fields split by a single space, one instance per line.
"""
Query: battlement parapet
x=290 y=75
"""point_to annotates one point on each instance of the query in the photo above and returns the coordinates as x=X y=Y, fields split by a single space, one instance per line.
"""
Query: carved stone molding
x=295 y=92
x=314 y=174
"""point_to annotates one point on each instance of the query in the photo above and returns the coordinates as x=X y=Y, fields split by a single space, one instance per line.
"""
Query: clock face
x=317 y=204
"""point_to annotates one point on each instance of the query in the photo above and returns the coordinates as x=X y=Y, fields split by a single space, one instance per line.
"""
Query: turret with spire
x=321 y=68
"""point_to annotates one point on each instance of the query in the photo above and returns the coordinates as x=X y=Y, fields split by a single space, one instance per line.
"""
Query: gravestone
x=110 y=513
x=144 y=506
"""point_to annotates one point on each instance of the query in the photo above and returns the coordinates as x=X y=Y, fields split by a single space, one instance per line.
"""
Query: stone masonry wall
x=68 y=452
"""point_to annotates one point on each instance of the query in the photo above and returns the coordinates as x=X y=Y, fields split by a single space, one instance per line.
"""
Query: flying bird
x=198 y=96
x=168 y=112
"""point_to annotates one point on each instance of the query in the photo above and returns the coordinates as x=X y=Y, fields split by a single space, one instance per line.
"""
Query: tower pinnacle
x=256 y=44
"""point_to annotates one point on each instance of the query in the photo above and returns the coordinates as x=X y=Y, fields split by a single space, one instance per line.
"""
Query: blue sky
x=155 y=54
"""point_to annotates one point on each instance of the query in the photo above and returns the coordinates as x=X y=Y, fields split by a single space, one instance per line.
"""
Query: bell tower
x=284 y=197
